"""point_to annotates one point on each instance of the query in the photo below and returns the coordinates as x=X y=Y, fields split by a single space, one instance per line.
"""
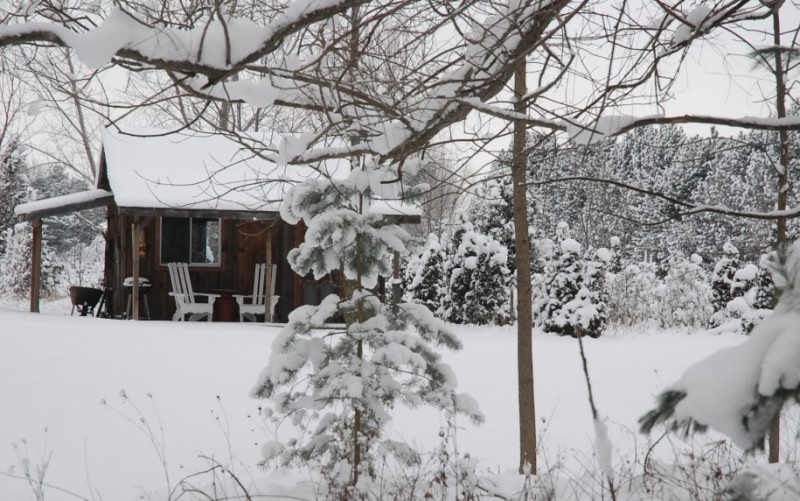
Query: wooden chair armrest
x=241 y=298
x=184 y=295
x=246 y=298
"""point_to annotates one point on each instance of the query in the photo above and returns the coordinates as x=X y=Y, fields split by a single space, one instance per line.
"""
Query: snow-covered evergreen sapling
x=765 y=296
x=722 y=279
x=739 y=390
x=615 y=266
x=13 y=185
x=492 y=213
x=339 y=387
x=569 y=307
x=478 y=285
x=427 y=284
x=16 y=265
x=752 y=298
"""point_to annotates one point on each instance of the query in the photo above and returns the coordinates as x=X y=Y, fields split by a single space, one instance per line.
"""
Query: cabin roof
x=155 y=172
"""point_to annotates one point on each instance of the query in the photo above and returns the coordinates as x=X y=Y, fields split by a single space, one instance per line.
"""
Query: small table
x=226 y=308
x=144 y=287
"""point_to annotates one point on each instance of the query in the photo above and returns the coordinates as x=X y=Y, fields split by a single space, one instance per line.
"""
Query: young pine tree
x=722 y=278
x=478 y=291
x=427 y=284
x=339 y=386
x=570 y=307
x=13 y=186
x=16 y=265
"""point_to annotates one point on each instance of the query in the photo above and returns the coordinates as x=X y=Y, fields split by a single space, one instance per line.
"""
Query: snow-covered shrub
x=685 y=298
x=615 y=263
x=13 y=185
x=338 y=387
x=722 y=278
x=16 y=266
x=426 y=284
x=632 y=295
x=565 y=304
x=83 y=265
x=739 y=390
x=492 y=214
x=478 y=285
x=765 y=295
x=744 y=311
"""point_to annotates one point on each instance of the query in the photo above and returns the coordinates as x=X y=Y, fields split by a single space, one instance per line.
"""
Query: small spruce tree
x=478 y=291
x=427 y=284
x=722 y=277
x=339 y=387
x=16 y=266
x=13 y=186
x=569 y=307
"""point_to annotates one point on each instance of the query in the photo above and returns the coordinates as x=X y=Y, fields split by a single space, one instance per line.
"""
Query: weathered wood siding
x=243 y=245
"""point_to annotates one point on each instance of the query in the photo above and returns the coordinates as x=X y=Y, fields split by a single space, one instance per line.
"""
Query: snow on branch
x=739 y=390
x=690 y=208
x=221 y=48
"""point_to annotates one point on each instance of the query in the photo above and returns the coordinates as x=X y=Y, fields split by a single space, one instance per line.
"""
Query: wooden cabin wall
x=243 y=245
x=251 y=238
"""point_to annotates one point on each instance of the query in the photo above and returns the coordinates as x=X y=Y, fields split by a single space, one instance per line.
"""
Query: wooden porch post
x=135 y=257
x=36 y=265
x=268 y=285
x=396 y=289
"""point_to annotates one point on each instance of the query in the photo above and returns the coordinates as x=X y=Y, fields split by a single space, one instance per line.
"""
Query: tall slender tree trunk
x=527 y=409
x=353 y=56
x=783 y=189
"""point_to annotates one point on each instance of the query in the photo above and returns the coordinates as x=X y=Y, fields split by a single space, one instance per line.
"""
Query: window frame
x=218 y=264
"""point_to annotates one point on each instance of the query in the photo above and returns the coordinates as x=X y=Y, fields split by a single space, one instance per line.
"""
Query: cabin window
x=193 y=240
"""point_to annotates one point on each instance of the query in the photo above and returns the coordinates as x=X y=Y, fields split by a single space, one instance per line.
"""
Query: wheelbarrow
x=84 y=299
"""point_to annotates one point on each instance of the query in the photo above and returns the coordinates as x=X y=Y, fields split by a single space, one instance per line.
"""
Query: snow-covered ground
x=62 y=378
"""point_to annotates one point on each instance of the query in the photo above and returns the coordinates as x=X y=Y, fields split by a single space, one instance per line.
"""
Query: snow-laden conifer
x=739 y=390
x=16 y=265
x=570 y=301
x=13 y=185
x=722 y=277
x=492 y=213
x=338 y=386
x=427 y=284
x=478 y=291
x=752 y=293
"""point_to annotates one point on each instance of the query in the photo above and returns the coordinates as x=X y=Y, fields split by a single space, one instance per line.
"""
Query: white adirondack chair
x=252 y=305
x=185 y=297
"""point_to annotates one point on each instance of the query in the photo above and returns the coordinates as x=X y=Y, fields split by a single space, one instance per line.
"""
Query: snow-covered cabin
x=203 y=199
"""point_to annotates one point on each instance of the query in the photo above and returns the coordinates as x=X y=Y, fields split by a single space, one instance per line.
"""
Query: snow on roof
x=62 y=204
x=148 y=168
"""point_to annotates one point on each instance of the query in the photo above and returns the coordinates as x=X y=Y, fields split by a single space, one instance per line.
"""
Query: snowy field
x=61 y=404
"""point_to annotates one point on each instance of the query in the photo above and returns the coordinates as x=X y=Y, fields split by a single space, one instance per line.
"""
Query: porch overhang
x=244 y=214
x=65 y=204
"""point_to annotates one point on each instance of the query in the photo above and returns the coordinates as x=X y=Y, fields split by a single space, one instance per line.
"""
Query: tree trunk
x=527 y=409
x=783 y=190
